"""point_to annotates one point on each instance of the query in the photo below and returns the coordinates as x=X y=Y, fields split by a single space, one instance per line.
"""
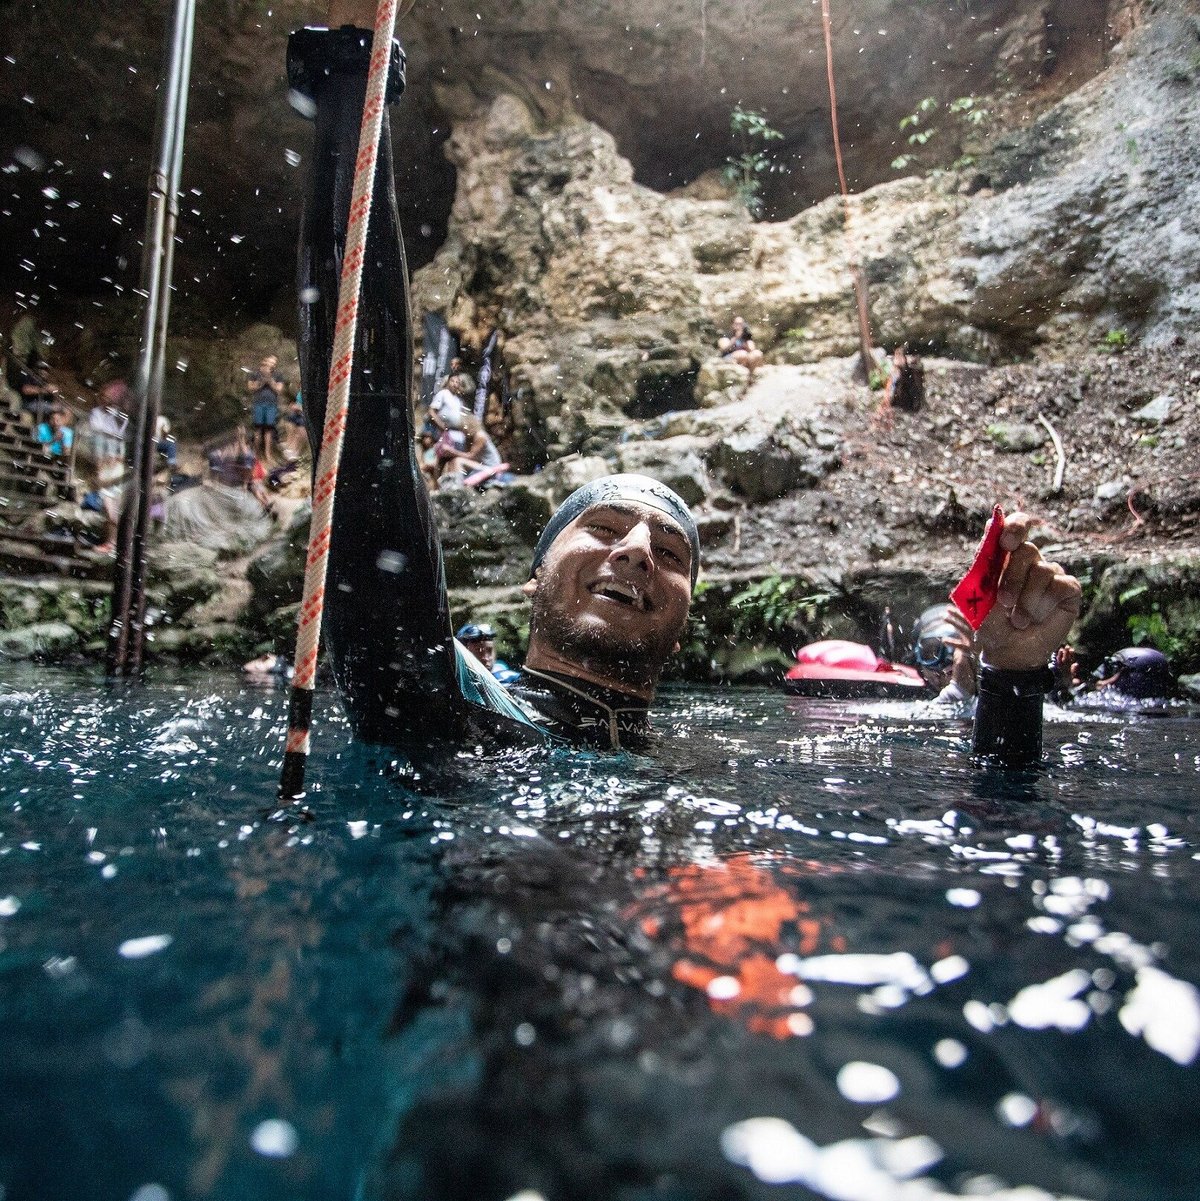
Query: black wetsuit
x=404 y=680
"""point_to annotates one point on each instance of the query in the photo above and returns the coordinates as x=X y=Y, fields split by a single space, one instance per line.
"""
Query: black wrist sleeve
x=1008 y=718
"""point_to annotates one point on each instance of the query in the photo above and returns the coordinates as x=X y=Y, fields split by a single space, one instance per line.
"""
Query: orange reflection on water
x=735 y=921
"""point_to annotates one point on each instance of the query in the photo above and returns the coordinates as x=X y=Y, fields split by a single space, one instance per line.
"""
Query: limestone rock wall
x=77 y=103
x=1082 y=224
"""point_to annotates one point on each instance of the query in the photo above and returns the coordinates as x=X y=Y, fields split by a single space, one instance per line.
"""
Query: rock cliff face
x=1074 y=232
x=613 y=294
x=77 y=97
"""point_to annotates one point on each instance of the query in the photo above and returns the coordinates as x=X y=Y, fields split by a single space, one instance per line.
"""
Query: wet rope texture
x=308 y=632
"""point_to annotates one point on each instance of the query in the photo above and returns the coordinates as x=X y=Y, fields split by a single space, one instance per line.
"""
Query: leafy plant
x=1115 y=341
x=770 y=606
x=964 y=110
x=767 y=605
x=1151 y=628
x=745 y=171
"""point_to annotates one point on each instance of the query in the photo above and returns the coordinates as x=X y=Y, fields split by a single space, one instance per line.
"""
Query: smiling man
x=612 y=575
x=612 y=583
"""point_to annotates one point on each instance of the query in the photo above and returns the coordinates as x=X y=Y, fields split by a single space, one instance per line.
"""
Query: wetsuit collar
x=590 y=707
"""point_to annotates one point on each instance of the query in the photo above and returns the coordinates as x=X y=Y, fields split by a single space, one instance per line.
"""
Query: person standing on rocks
x=266 y=387
x=612 y=574
x=26 y=367
x=905 y=388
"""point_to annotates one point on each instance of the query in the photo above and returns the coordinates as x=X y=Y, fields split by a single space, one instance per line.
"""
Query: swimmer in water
x=480 y=640
x=944 y=653
x=612 y=576
x=1133 y=674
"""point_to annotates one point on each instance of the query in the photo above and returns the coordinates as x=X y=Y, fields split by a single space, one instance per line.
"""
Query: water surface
x=800 y=950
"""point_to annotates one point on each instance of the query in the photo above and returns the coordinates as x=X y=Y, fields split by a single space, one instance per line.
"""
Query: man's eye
x=671 y=556
x=601 y=528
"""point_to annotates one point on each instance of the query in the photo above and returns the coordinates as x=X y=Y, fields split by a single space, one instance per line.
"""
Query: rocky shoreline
x=813 y=512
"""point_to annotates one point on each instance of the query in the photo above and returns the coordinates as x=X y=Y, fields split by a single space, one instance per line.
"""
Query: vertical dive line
x=308 y=632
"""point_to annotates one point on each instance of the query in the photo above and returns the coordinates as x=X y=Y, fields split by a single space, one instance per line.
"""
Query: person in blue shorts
x=612 y=575
x=266 y=387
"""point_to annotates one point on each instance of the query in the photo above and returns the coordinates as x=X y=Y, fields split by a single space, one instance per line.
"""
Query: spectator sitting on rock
x=905 y=388
x=55 y=434
x=427 y=459
x=446 y=409
x=477 y=457
x=498 y=422
x=164 y=442
x=238 y=467
x=295 y=430
x=738 y=346
x=266 y=385
x=107 y=502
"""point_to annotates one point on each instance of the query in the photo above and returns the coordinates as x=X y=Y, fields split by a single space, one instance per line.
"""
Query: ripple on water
x=786 y=945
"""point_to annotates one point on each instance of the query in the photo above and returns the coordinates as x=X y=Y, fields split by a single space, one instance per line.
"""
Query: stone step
x=45 y=467
x=33 y=456
x=23 y=556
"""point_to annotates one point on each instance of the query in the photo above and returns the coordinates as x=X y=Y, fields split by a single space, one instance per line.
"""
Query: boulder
x=764 y=464
x=488 y=537
x=276 y=575
x=45 y=640
x=1112 y=490
x=564 y=475
x=183 y=576
x=672 y=461
x=1016 y=437
x=721 y=382
x=1157 y=411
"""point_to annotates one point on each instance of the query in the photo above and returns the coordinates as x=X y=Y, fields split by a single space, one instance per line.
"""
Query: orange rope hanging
x=860 y=284
x=308 y=633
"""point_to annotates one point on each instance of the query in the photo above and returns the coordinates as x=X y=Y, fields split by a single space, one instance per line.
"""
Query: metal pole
x=152 y=266
x=137 y=632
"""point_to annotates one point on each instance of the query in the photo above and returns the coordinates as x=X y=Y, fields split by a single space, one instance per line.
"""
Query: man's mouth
x=621 y=592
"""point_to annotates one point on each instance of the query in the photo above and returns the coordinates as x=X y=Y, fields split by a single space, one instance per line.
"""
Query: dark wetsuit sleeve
x=1008 y=717
x=387 y=620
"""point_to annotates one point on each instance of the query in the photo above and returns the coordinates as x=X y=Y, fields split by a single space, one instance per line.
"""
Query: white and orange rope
x=308 y=632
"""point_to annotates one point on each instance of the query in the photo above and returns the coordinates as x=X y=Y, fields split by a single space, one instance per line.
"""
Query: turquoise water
x=801 y=950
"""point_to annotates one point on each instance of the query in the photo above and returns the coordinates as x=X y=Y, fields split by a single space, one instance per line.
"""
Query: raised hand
x=1037 y=604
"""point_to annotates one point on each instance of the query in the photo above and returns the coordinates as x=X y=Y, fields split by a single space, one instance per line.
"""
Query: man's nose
x=635 y=547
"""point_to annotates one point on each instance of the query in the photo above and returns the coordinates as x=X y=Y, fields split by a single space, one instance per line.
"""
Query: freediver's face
x=615 y=587
x=739 y=325
x=268 y=364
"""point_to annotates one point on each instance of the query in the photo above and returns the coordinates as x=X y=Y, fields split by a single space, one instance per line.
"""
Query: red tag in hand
x=976 y=591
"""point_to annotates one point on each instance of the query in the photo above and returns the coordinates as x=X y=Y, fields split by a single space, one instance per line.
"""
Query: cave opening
x=659 y=393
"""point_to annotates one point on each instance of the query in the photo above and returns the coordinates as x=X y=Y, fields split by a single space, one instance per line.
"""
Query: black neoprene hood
x=640 y=489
